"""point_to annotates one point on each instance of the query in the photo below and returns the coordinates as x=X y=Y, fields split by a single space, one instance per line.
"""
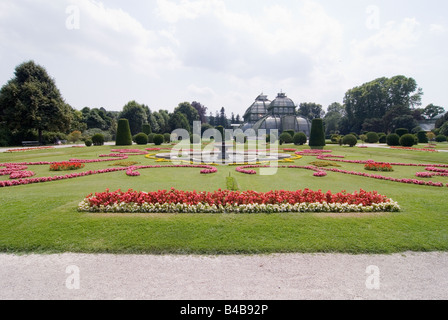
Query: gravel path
x=406 y=276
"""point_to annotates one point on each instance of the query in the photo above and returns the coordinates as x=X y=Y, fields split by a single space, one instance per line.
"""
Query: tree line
x=32 y=108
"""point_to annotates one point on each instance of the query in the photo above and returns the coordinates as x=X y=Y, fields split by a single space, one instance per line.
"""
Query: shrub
x=124 y=137
x=317 y=136
x=151 y=137
x=440 y=138
x=335 y=138
x=350 y=140
x=422 y=138
x=141 y=139
x=291 y=133
x=407 y=140
x=88 y=143
x=285 y=138
x=98 y=139
x=158 y=139
x=75 y=136
x=167 y=137
x=372 y=137
x=393 y=140
x=382 y=138
x=300 y=139
x=401 y=131
x=146 y=129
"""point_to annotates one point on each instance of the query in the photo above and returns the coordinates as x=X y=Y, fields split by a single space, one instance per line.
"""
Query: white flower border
x=391 y=206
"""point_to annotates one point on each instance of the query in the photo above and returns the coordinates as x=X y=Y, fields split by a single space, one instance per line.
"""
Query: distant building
x=429 y=124
x=279 y=114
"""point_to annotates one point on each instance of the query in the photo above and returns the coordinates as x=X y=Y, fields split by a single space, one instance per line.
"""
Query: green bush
x=382 y=138
x=350 y=140
x=393 y=140
x=300 y=139
x=285 y=138
x=158 y=139
x=141 y=139
x=146 y=129
x=407 y=140
x=167 y=137
x=124 y=137
x=422 y=137
x=401 y=131
x=440 y=138
x=98 y=139
x=88 y=143
x=317 y=136
x=151 y=137
x=372 y=137
x=291 y=133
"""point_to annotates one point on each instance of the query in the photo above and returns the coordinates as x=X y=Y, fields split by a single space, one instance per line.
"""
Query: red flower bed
x=374 y=166
x=224 y=197
x=66 y=166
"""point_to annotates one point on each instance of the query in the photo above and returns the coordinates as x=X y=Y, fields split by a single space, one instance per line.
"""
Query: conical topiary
x=317 y=136
x=124 y=137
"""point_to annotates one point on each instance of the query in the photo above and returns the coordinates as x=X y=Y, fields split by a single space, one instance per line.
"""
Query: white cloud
x=437 y=29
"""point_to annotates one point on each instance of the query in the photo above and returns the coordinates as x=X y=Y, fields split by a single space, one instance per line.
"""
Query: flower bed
x=66 y=166
x=28 y=149
x=414 y=149
x=374 y=166
x=225 y=201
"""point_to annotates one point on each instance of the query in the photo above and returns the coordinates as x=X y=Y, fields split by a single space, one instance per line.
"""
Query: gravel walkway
x=406 y=276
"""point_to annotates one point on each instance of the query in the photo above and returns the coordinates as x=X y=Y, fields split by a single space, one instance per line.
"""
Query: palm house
x=279 y=115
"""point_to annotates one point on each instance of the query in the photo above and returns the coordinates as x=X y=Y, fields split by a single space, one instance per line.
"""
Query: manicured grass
x=43 y=217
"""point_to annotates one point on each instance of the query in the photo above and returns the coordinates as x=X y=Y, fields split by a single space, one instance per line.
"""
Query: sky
x=224 y=53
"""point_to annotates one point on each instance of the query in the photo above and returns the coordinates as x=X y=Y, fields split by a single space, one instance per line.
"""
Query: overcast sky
x=224 y=53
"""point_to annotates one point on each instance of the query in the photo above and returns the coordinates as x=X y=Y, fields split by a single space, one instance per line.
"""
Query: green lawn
x=43 y=217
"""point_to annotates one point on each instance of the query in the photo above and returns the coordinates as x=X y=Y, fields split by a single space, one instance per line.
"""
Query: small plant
x=232 y=184
x=88 y=143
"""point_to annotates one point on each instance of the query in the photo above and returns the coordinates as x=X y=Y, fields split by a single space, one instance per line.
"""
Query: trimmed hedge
x=98 y=139
x=440 y=138
x=124 y=136
x=350 y=140
x=141 y=139
x=393 y=140
x=285 y=137
x=422 y=137
x=372 y=137
x=300 y=139
x=317 y=136
x=407 y=140
x=158 y=139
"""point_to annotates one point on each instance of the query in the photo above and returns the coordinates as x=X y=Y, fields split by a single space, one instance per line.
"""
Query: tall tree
x=311 y=110
x=136 y=115
x=202 y=111
x=374 y=99
x=31 y=100
x=190 y=113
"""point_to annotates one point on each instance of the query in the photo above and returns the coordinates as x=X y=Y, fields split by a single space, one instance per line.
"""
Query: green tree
x=124 y=137
x=136 y=115
x=190 y=113
x=432 y=111
x=179 y=121
x=31 y=100
x=311 y=110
